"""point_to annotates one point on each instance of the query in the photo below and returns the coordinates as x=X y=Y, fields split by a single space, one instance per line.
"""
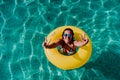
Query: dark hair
x=71 y=32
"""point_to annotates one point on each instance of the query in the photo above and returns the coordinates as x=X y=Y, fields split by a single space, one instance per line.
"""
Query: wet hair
x=71 y=33
x=69 y=30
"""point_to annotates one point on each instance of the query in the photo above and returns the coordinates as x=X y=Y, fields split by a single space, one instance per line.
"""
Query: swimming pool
x=25 y=23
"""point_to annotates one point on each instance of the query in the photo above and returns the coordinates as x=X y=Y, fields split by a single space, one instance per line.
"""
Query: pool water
x=25 y=23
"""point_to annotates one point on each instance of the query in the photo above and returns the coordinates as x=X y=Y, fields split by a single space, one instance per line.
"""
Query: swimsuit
x=66 y=52
x=61 y=50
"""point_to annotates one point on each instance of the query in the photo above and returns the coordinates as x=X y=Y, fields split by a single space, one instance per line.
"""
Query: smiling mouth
x=67 y=40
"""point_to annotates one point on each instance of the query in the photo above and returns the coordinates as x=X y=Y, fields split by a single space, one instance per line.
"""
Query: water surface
x=25 y=23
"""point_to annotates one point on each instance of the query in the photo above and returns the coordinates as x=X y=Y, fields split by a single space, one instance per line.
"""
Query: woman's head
x=68 y=35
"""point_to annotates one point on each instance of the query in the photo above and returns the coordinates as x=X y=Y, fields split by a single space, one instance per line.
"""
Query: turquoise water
x=25 y=23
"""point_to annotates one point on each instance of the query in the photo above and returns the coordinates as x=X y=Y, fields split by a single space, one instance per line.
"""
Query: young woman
x=67 y=44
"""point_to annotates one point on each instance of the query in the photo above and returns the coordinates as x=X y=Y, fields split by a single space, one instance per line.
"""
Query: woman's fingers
x=47 y=41
x=81 y=37
x=85 y=37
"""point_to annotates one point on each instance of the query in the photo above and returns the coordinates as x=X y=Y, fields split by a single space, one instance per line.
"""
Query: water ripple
x=25 y=23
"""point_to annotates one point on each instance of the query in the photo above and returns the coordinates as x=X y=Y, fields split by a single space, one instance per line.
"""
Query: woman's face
x=67 y=36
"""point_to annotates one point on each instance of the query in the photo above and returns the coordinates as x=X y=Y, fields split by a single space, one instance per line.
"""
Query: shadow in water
x=108 y=63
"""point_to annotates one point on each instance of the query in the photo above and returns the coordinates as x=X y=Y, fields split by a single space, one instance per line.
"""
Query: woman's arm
x=83 y=42
x=53 y=45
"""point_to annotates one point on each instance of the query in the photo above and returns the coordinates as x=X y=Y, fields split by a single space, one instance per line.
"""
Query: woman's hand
x=84 y=41
x=46 y=42
x=84 y=38
x=49 y=45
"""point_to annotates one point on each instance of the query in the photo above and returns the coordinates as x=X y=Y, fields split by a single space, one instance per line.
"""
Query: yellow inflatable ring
x=68 y=62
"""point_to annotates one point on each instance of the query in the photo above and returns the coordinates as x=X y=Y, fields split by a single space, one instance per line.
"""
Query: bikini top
x=66 y=52
x=70 y=52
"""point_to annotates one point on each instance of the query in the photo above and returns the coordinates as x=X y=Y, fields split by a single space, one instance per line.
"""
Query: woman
x=67 y=44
